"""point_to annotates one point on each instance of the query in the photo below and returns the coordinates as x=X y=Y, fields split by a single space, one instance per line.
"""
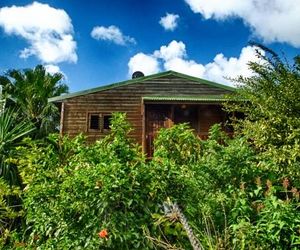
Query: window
x=98 y=122
x=106 y=121
x=94 y=122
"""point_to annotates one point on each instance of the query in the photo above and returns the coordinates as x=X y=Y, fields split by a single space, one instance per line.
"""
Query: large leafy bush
x=272 y=110
x=108 y=196
x=74 y=191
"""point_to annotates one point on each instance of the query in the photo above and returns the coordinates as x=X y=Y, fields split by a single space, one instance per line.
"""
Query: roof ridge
x=136 y=80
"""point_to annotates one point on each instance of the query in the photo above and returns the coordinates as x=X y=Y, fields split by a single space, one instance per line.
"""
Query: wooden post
x=172 y=115
x=62 y=112
x=143 y=126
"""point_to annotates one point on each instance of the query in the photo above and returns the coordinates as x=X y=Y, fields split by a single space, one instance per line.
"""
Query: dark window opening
x=94 y=122
x=106 y=121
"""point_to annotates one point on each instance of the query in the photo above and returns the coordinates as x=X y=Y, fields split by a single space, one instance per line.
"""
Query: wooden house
x=150 y=102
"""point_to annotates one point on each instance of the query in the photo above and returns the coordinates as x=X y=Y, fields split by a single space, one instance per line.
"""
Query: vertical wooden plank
x=62 y=112
x=87 y=124
x=143 y=126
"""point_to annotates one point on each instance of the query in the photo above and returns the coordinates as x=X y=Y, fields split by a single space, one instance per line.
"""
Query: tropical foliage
x=116 y=199
x=12 y=130
x=272 y=110
x=222 y=193
x=29 y=90
x=9 y=214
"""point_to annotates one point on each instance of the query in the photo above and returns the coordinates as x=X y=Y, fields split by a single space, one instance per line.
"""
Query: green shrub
x=272 y=111
x=10 y=212
x=108 y=196
x=78 y=190
x=262 y=220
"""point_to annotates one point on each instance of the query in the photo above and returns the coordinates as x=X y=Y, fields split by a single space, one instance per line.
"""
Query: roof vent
x=137 y=74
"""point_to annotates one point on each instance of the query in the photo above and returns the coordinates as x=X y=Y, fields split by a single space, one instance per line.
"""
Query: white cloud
x=173 y=50
x=174 y=57
x=111 y=33
x=48 y=31
x=188 y=67
x=169 y=22
x=231 y=67
x=148 y=64
x=52 y=69
x=271 y=20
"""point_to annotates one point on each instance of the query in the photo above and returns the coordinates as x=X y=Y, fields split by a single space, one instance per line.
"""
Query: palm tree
x=12 y=130
x=30 y=90
x=2 y=101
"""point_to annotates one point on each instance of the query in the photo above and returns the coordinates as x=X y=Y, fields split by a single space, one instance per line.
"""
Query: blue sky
x=99 y=42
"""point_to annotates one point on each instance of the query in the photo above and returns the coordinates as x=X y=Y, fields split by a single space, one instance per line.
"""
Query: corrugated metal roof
x=138 y=80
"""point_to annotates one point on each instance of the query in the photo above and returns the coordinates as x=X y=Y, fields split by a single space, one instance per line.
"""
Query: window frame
x=101 y=116
x=102 y=122
x=89 y=117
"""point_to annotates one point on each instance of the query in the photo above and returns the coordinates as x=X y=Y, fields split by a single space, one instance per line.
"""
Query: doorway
x=159 y=116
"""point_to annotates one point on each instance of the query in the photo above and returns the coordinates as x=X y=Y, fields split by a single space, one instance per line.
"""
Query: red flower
x=103 y=233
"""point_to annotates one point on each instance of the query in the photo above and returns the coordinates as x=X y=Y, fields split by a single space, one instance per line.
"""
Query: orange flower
x=103 y=233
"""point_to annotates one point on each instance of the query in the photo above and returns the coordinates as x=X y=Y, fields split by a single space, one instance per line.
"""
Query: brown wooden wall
x=128 y=99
